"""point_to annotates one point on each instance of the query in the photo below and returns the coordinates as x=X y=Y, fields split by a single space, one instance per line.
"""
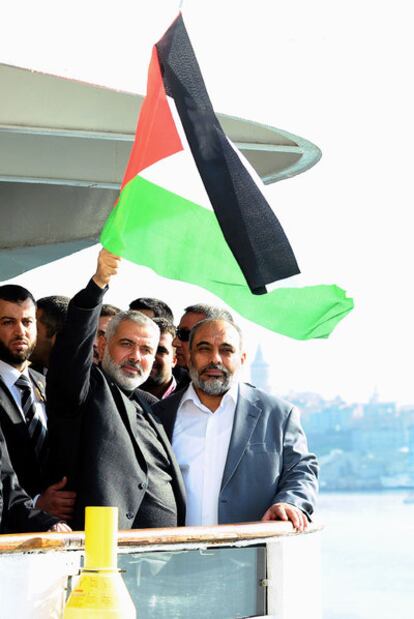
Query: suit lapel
x=9 y=405
x=130 y=417
x=166 y=411
x=246 y=416
x=126 y=409
x=158 y=427
x=39 y=386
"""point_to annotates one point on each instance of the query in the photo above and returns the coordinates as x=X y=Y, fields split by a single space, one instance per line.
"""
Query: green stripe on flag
x=181 y=240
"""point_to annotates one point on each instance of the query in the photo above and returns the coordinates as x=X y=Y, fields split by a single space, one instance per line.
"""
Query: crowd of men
x=100 y=406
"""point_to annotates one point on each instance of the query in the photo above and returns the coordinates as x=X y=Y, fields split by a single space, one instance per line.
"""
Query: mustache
x=215 y=366
x=132 y=364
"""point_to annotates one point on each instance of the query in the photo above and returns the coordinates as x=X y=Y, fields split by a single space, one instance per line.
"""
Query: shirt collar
x=170 y=389
x=10 y=374
x=191 y=395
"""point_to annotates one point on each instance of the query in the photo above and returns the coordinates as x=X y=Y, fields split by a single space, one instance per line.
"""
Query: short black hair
x=109 y=310
x=54 y=310
x=165 y=326
x=160 y=308
x=15 y=294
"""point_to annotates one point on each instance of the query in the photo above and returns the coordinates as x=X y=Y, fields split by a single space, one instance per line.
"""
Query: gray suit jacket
x=268 y=459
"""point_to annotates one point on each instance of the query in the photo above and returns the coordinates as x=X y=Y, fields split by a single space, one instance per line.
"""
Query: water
x=367 y=555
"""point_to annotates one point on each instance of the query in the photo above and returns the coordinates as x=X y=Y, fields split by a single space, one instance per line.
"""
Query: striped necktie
x=37 y=430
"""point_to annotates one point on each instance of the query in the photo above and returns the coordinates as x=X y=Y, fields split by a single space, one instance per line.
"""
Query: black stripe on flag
x=251 y=229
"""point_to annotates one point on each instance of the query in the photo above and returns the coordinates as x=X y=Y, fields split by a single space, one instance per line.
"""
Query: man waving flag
x=190 y=210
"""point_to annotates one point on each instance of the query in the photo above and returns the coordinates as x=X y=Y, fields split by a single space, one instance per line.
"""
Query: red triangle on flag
x=156 y=135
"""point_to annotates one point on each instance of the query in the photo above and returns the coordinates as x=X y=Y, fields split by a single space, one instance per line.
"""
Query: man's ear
x=174 y=358
x=243 y=358
x=101 y=346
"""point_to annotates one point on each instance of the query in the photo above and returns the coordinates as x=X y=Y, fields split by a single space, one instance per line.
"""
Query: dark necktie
x=37 y=430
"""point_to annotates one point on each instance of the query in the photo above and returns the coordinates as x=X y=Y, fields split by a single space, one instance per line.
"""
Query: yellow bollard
x=100 y=590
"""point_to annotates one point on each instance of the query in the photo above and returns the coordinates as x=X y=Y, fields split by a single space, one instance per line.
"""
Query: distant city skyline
x=359 y=446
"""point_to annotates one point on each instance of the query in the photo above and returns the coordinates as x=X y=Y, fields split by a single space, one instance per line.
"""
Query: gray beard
x=212 y=386
x=114 y=371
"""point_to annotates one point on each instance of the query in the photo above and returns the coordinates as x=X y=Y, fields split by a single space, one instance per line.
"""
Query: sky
x=338 y=74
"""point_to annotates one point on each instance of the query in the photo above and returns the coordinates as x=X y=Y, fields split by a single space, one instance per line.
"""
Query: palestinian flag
x=190 y=209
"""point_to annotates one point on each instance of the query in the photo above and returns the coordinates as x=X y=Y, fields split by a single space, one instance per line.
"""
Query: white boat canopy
x=64 y=148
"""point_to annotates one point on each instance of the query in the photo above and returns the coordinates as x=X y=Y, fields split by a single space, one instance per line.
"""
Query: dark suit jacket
x=16 y=510
x=268 y=459
x=91 y=423
x=26 y=464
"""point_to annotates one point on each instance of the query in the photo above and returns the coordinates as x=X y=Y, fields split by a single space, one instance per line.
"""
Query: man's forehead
x=217 y=332
x=166 y=339
x=25 y=308
x=189 y=319
x=133 y=330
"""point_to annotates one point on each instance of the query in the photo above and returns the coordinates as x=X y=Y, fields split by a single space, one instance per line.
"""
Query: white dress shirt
x=200 y=442
x=9 y=375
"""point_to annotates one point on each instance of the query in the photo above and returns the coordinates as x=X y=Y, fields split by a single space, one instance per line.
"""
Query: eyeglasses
x=183 y=334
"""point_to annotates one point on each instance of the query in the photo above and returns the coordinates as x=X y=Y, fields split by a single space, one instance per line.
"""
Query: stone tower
x=259 y=371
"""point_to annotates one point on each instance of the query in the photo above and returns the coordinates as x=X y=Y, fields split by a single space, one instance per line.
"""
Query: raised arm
x=68 y=379
x=70 y=375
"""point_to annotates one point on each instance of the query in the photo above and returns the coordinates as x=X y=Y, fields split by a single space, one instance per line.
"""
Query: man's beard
x=218 y=385
x=114 y=371
x=15 y=358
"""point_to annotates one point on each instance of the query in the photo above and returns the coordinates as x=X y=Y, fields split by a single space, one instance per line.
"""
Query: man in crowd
x=22 y=402
x=107 y=312
x=161 y=382
x=192 y=315
x=242 y=452
x=153 y=308
x=103 y=435
x=17 y=514
x=50 y=317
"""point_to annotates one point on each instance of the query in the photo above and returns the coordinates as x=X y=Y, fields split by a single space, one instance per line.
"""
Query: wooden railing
x=221 y=534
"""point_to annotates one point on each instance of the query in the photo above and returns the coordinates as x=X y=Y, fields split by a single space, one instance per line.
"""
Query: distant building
x=259 y=372
x=360 y=446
